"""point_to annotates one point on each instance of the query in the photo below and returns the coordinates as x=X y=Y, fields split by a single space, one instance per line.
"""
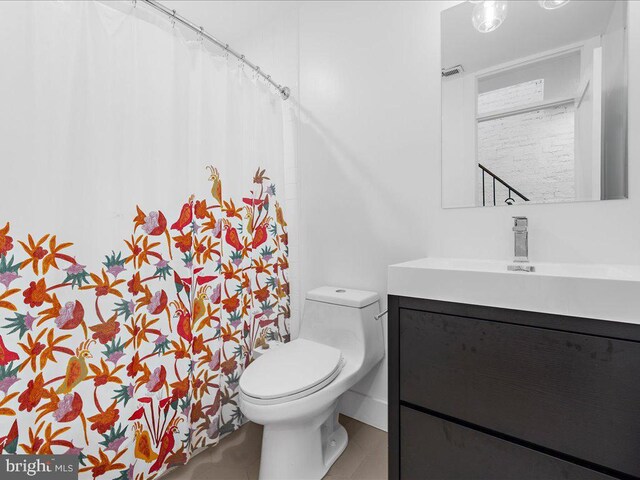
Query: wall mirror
x=534 y=102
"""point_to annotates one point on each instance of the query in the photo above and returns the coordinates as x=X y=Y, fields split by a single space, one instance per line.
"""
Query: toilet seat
x=296 y=369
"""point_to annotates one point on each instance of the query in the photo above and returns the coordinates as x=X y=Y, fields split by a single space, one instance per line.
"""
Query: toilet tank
x=345 y=318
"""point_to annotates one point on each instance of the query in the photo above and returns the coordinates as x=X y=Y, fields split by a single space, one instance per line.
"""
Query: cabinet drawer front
x=572 y=393
x=432 y=448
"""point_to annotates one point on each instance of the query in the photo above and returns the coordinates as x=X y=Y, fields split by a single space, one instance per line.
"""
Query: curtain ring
x=241 y=61
x=173 y=19
x=256 y=73
x=201 y=35
x=226 y=51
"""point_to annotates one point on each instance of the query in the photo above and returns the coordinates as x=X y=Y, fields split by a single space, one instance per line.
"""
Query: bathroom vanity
x=513 y=375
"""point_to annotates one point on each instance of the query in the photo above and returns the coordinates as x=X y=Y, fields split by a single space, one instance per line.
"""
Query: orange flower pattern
x=136 y=363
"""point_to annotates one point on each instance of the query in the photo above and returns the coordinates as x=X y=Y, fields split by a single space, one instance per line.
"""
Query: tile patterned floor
x=237 y=457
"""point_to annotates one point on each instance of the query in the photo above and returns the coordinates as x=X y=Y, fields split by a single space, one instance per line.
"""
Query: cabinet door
x=572 y=393
x=434 y=449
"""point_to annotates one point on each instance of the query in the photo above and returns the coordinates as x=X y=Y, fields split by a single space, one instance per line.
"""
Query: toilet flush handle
x=380 y=315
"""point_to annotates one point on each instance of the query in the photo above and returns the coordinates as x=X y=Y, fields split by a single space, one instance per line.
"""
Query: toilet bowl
x=294 y=390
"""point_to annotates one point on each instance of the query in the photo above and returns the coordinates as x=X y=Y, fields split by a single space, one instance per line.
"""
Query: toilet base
x=304 y=450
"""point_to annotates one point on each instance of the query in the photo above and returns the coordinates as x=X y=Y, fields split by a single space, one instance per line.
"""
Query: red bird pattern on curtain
x=136 y=364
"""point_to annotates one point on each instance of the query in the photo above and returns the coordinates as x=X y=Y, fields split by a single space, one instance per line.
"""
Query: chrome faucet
x=521 y=246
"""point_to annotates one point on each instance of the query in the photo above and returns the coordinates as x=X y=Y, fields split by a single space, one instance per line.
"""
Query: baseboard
x=365 y=409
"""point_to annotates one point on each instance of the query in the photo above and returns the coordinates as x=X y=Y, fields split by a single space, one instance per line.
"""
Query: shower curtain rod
x=284 y=91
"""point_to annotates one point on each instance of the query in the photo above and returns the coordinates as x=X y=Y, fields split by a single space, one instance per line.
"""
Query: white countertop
x=607 y=292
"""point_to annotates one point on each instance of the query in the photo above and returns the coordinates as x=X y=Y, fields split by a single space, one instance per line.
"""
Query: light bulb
x=489 y=15
x=552 y=4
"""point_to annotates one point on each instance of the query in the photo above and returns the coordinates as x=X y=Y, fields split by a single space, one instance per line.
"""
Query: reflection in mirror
x=535 y=110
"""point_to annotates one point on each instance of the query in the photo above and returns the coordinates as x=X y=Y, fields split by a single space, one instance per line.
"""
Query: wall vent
x=451 y=71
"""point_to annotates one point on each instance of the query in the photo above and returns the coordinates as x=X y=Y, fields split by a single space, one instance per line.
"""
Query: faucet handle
x=520 y=224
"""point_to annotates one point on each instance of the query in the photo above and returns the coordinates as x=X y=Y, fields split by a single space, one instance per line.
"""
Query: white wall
x=614 y=83
x=459 y=101
x=364 y=150
x=561 y=75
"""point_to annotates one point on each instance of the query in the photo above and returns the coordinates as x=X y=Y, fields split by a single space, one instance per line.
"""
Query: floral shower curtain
x=143 y=239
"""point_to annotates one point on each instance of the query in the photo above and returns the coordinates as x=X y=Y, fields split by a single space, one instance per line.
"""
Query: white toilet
x=294 y=390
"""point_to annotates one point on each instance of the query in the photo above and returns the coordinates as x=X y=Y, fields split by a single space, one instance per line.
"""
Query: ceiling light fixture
x=489 y=15
x=552 y=4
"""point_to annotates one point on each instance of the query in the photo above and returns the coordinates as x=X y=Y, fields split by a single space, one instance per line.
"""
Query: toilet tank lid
x=343 y=296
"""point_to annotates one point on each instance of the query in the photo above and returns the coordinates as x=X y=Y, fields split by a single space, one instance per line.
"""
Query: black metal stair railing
x=494 y=178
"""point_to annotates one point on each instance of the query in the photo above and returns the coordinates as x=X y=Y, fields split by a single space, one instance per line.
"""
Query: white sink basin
x=607 y=292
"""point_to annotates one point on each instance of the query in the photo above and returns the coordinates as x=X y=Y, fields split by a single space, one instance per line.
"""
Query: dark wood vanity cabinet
x=487 y=393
